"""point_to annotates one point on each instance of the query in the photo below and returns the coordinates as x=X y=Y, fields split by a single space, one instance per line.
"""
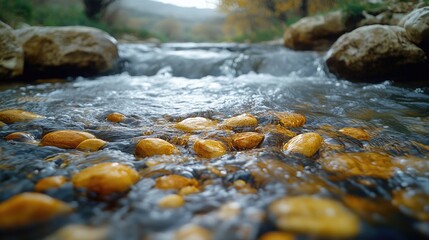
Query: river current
x=162 y=85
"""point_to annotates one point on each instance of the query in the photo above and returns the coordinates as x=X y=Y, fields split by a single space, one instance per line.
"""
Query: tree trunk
x=304 y=8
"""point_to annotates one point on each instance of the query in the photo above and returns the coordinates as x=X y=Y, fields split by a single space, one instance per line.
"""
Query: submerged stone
x=369 y=164
x=2 y=124
x=171 y=201
x=28 y=208
x=314 y=216
x=188 y=190
x=115 y=117
x=209 y=148
x=356 y=133
x=106 y=178
x=20 y=137
x=196 y=124
x=243 y=120
x=155 y=146
x=91 y=145
x=412 y=202
x=246 y=140
x=175 y=182
x=17 y=115
x=80 y=232
x=193 y=232
x=277 y=236
x=50 y=182
x=67 y=139
x=306 y=144
x=290 y=120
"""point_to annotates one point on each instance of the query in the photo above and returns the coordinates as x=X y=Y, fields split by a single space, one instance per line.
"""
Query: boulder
x=11 y=54
x=416 y=25
x=315 y=33
x=67 y=51
x=374 y=53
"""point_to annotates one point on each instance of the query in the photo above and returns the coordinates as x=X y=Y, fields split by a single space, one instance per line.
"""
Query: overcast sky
x=191 y=3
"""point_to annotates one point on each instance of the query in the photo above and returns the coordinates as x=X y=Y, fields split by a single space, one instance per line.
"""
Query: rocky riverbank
x=55 y=52
x=389 y=46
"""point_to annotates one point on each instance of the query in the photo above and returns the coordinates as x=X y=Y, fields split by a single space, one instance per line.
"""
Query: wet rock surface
x=347 y=188
x=11 y=53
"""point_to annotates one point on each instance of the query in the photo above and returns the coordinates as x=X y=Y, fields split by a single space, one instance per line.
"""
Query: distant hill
x=171 y=11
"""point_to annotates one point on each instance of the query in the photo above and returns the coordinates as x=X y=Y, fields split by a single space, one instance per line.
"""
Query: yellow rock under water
x=106 y=178
x=314 y=216
x=115 y=117
x=154 y=146
x=196 y=124
x=20 y=137
x=50 y=182
x=193 y=232
x=2 y=124
x=79 y=232
x=171 y=201
x=246 y=140
x=243 y=120
x=369 y=164
x=209 y=148
x=28 y=208
x=67 y=139
x=276 y=129
x=91 y=145
x=306 y=144
x=277 y=236
x=188 y=190
x=175 y=182
x=356 y=133
x=412 y=202
x=16 y=115
x=290 y=120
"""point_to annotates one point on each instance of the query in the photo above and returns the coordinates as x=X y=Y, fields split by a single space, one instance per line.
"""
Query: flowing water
x=160 y=86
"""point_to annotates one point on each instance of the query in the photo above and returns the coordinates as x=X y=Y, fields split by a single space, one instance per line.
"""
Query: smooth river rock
x=416 y=25
x=376 y=52
x=106 y=178
x=67 y=139
x=306 y=144
x=50 y=182
x=316 y=32
x=67 y=51
x=11 y=53
x=10 y=116
x=155 y=146
x=27 y=208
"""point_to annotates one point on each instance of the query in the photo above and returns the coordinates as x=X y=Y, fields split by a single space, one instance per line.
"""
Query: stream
x=162 y=85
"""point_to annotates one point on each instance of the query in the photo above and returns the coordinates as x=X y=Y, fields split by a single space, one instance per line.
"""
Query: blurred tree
x=93 y=8
x=169 y=28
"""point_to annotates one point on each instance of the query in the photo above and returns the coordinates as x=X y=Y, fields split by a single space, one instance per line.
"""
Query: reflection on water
x=162 y=86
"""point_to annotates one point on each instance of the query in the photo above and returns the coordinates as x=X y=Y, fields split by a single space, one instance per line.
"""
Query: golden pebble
x=91 y=145
x=243 y=120
x=171 y=201
x=277 y=129
x=277 y=236
x=154 y=146
x=106 y=178
x=188 y=190
x=306 y=144
x=193 y=232
x=174 y=182
x=196 y=124
x=67 y=139
x=412 y=202
x=50 y=182
x=20 y=137
x=2 y=124
x=28 y=208
x=209 y=148
x=79 y=232
x=229 y=211
x=314 y=216
x=16 y=115
x=115 y=117
x=290 y=120
x=246 y=140
x=369 y=164
x=356 y=133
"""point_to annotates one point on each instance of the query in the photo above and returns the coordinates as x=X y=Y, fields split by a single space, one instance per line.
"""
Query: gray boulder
x=375 y=52
x=67 y=51
x=416 y=25
x=11 y=54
